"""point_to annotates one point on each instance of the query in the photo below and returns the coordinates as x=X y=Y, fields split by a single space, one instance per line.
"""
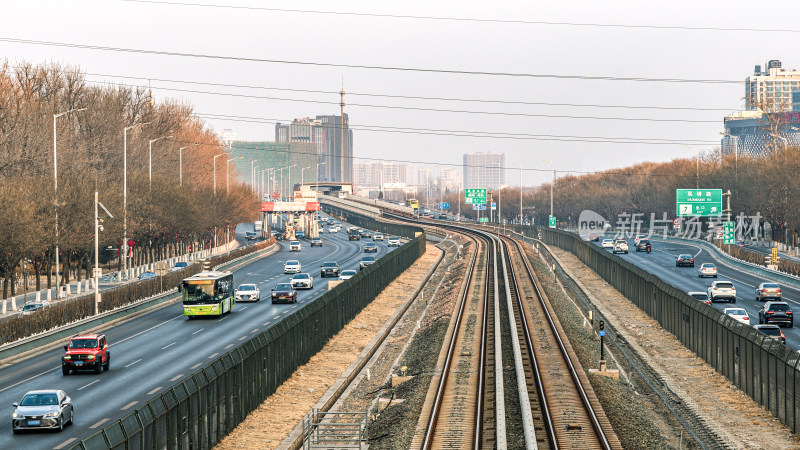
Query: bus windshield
x=198 y=294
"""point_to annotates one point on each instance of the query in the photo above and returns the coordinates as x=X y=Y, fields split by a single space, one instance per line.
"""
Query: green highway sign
x=484 y=219
x=552 y=221
x=474 y=196
x=729 y=232
x=698 y=202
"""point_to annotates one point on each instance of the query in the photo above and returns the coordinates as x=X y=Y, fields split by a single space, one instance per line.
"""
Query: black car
x=643 y=245
x=684 y=260
x=284 y=292
x=776 y=312
x=353 y=235
x=366 y=234
x=366 y=261
x=329 y=268
x=370 y=248
x=250 y=235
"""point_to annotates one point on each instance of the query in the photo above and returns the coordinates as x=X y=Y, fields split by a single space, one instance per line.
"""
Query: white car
x=292 y=266
x=334 y=229
x=607 y=243
x=33 y=307
x=638 y=238
x=739 y=314
x=393 y=242
x=722 y=290
x=377 y=237
x=294 y=246
x=347 y=274
x=302 y=280
x=248 y=293
x=707 y=270
x=620 y=246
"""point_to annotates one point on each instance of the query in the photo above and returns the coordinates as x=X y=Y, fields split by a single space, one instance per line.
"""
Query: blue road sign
x=444 y=205
x=479 y=206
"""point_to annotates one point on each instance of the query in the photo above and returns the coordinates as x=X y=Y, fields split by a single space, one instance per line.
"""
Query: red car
x=86 y=352
x=284 y=292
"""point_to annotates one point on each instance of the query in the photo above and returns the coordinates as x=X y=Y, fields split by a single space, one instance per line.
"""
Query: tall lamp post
x=180 y=161
x=214 y=161
x=228 y=174
x=319 y=164
x=55 y=187
x=150 y=160
x=289 y=178
x=551 y=185
x=125 y=194
x=520 y=191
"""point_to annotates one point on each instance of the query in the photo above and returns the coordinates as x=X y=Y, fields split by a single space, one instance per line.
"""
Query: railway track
x=558 y=407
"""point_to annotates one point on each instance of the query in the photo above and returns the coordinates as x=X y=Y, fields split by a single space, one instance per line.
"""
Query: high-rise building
x=373 y=174
x=278 y=156
x=484 y=170
x=771 y=89
x=451 y=177
x=325 y=133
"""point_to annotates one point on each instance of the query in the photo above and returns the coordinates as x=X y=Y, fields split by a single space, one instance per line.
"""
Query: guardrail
x=199 y=410
x=764 y=369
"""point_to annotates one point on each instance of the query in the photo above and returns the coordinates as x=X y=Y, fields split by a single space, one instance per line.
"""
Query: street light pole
x=520 y=192
x=551 y=186
x=228 y=174
x=180 y=162
x=289 y=179
x=55 y=187
x=214 y=161
x=319 y=164
x=125 y=194
x=150 y=161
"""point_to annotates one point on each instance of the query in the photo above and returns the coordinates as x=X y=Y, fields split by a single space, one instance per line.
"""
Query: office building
x=373 y=174
x=752 y=133
x=484 y=170
x=451 y=177
x=324 y=133
x=771 y=89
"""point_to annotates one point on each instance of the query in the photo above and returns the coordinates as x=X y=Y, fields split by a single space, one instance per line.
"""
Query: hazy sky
x=481 y=46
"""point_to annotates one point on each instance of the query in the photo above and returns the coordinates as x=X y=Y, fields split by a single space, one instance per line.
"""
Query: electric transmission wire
x=469 y=19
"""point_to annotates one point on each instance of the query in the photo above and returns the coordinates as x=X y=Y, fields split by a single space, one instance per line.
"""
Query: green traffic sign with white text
x=474 y=196
x=552 y=221
x=698 y=202
x=483 y=219
x=729 y=232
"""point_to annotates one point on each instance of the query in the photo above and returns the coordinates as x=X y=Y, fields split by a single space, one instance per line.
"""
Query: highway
x=661 y=262
x=159 y=348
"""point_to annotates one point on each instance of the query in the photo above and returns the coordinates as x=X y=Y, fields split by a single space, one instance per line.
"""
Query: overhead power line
x=360 y=66
x=414 y=108
x=470 y=19
x=413 y=97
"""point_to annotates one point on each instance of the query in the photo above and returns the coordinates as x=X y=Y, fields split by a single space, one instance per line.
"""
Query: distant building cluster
x=484 y=170
x=771 y=118
x=325 y=133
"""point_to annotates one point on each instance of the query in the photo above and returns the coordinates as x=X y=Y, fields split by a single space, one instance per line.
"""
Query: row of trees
x=163 y=216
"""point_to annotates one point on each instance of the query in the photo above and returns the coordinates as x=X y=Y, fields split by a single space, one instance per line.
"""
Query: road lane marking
x=154 y=390
x=149 y=329
x=243 y=308
x=213 y=356
x=99 y=423
x=228 y=346
x=196 y=366
x=168 y=346
x=93 y=382
x=276 y=317
x=267 y=323
x=132 y=363
x=129 y=405
x=255 y=330
x=243 y=338
x=30 y=378
x=201 y=329
x=176 y=377
x=65 y=443
x=223 y=318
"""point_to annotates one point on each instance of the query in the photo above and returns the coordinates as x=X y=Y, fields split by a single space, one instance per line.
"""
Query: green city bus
x=208 y=293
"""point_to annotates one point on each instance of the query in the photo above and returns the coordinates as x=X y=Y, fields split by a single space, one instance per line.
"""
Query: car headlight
x=52 y=414
x=90 y=357
x=67 y=357
x=14 y=415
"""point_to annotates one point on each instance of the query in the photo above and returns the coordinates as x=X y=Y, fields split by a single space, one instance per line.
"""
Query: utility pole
x=341 y=132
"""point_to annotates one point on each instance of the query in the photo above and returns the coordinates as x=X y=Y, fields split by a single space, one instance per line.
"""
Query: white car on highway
x=294 y=246
x=302 y=280
x=248 y=293
x=607 y=243
x=707 y=270
x=347 y=274
x=620 y=246
x=292 y=266
x=638 y=238
x=334 y=229
x=739 y=314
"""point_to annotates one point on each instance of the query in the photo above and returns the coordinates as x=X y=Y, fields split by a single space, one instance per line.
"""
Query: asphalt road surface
x=159 y=348
x=661 y=262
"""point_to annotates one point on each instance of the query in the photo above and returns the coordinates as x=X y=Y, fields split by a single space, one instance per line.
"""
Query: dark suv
x=329 y=268
x=86 y=352
x=776 y=312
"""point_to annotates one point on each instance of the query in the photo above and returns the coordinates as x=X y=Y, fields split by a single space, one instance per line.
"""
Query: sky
x=498 y=38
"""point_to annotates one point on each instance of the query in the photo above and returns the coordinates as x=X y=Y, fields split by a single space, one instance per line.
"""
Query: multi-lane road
x=661 y=262
x=159 y=348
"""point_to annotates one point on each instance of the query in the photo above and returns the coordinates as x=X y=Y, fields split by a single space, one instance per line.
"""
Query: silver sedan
x=45 y=409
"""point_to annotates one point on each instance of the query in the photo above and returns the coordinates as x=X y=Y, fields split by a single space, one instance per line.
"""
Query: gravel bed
x=629 y=406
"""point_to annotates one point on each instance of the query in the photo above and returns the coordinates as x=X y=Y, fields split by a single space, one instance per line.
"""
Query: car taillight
x=789 y=313
x=769 y=312
x=777 y=290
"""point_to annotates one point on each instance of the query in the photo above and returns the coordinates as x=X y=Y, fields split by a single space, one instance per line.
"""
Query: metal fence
x=763 y=368
x=198 y=411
